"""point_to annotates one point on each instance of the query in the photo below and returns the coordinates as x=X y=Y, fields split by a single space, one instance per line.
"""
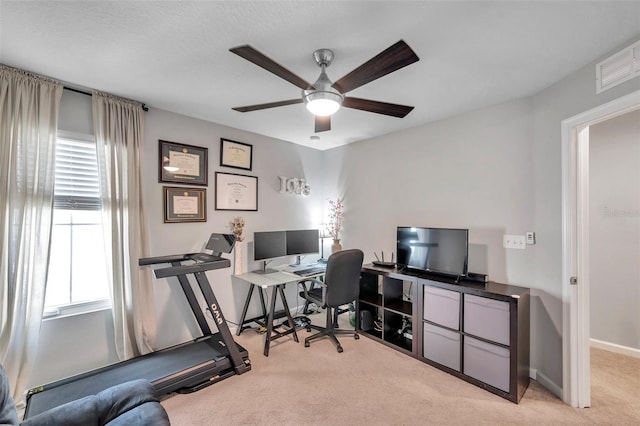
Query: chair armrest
x=312 y=281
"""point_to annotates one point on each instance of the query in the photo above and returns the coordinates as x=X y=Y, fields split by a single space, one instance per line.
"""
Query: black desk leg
x=286 y=310
x=272 y=308
x=244 y=310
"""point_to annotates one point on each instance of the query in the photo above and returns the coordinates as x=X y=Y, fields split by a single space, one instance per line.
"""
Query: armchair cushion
x=8 y=414
x=130 y=403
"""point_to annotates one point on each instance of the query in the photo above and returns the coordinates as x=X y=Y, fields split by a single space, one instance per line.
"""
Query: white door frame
x=576 y=377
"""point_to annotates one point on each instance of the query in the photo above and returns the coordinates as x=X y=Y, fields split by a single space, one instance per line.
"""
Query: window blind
x=77 y=184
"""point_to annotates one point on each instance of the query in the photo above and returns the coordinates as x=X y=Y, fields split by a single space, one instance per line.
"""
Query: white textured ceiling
x=174 y=55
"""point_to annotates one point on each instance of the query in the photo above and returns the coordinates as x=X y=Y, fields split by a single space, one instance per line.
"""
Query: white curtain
x=118 y=126
x=28 y=121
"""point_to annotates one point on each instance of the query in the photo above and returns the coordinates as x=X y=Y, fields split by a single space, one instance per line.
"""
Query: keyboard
x=307 y=272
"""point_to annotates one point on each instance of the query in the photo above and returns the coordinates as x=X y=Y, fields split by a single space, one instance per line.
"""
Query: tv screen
x=437 y=250
x=221 y=243
x=269 y=245
x=304 y=241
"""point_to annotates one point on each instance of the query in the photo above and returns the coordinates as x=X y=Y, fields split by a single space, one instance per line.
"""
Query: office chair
x=341 y=285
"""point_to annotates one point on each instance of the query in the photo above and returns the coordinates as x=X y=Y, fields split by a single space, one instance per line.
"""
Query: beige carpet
x=371 y=384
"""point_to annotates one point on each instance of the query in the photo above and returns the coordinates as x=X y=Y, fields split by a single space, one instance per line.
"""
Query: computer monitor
x=221 y=243
x=269 y=245
x=303 y=241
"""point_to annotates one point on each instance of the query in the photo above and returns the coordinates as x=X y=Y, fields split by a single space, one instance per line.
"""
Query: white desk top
x=282 y=276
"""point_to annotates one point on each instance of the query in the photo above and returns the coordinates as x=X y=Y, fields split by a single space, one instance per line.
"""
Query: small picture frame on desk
x=184 y=204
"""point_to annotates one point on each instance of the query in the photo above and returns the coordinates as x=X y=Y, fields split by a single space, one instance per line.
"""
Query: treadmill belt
x=165 y=369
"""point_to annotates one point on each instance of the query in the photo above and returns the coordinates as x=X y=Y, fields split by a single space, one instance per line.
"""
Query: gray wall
x=80 y=343
x=271 y=158
x=614 y=226
x=494 y=171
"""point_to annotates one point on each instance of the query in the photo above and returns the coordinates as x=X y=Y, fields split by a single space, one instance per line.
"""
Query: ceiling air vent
x=618 y=68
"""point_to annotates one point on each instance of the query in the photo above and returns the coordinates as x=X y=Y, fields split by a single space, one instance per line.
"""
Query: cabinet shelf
x=478 y=333
x=400 y=306
x=373 y=299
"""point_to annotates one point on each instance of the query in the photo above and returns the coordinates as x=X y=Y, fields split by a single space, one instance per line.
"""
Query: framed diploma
x=184 y=204
x=236 y=192
x=181 y=163
x=236 y=154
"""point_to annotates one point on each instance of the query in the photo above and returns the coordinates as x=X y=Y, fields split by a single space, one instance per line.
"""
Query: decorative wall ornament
x=295 y=186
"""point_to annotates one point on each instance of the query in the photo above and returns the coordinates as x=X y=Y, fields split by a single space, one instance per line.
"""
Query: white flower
x=236 y=225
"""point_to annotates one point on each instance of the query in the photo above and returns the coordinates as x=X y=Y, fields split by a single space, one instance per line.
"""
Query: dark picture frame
x=236 y=192
x=238 y=155
x=184 y=164
x=182 y=204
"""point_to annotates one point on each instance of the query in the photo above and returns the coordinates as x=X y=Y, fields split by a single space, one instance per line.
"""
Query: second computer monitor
x=304 y=241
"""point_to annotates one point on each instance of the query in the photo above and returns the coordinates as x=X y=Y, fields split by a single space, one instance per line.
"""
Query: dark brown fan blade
x=323 y=123
x=268 y=105
x=392 y=59
x=385 y=108
x=252 y=55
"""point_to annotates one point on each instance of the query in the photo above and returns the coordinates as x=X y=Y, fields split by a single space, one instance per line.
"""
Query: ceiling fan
x=323 y=98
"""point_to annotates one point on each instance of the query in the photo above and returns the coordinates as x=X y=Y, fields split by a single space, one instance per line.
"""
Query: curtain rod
x=82 y=92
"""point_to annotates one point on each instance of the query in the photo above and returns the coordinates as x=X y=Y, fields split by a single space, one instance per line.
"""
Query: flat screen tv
x=436 y=250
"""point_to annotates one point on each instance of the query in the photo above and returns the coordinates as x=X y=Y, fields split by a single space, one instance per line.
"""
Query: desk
x=277 y=281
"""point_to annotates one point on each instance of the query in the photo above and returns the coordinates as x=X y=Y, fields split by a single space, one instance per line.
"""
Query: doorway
x=576 y=387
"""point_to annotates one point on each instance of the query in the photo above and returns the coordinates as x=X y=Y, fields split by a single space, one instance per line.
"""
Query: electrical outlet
x=514 y=242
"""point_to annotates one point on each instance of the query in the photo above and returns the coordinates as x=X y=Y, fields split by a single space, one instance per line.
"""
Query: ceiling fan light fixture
x=322 y=103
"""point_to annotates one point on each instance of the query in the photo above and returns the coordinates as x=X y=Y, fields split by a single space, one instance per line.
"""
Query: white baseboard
x=545 y=382
x=612 y=347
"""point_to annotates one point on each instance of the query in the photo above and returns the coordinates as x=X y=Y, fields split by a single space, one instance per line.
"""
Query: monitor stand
x=297 y=261
x=264 y=269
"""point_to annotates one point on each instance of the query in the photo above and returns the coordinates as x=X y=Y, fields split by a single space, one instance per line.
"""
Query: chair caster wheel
x=356 y=336
x=306 y=344
x=339 y=349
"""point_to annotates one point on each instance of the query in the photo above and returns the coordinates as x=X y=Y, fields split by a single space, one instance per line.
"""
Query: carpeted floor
x=371 y=384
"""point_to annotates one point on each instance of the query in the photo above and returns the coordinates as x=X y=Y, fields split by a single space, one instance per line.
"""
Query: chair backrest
x=343 y=277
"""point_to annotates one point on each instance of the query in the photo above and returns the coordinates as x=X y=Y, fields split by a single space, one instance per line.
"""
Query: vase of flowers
x=237 y=226
x=336 y=216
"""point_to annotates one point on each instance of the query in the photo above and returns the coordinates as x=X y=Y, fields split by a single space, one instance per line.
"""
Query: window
x=77 y=278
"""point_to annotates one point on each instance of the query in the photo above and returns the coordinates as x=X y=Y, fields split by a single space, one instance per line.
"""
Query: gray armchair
x=130 y=403
x=341 y=285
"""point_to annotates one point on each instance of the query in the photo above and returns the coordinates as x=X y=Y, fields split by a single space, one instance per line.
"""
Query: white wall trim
x=545 y=382
x=575 y=308
x=613 y=347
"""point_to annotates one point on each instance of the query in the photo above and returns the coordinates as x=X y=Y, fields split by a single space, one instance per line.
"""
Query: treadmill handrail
x=173 y=271
x=162 y=259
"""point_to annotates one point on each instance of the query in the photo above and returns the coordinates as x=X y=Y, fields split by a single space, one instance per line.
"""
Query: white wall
x=614 y=226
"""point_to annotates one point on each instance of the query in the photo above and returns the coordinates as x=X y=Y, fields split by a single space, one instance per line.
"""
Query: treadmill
x=183 y=368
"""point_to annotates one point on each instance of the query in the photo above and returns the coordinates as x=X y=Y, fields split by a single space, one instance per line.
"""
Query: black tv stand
x=476 y=331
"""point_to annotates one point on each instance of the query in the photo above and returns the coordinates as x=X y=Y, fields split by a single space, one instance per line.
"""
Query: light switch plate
x=530 y=237
x=514 y=242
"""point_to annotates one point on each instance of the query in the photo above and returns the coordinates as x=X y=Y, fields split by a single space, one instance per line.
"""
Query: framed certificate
x=180 y=163
x=236 y=154
x=184 y=204
x=236 y=192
